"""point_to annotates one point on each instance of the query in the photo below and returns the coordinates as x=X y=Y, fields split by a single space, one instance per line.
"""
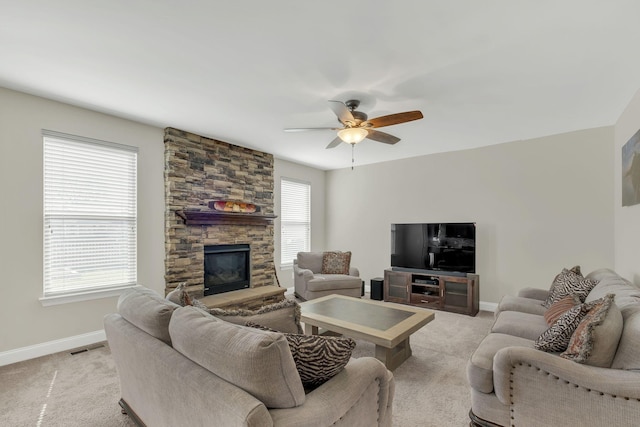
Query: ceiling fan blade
x=306 y=129
x=394 y=119
x=376 y=135
x=335 y=142
x=343 y=113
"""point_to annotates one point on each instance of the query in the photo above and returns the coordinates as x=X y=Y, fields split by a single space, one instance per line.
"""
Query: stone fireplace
x=201 y=170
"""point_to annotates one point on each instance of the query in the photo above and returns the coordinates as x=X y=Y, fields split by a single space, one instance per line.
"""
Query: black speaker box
x=376 y=288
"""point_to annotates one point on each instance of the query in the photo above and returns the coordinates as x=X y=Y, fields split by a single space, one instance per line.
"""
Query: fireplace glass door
x=226 y=268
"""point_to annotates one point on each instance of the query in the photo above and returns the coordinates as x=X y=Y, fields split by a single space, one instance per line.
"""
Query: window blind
x=90 y=225
x=295 y=219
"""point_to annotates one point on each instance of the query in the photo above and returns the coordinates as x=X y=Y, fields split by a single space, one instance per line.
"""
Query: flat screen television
x=437 y=247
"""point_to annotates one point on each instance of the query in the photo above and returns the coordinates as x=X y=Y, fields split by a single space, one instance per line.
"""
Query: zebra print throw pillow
x=568 y=283
x=557 y=337
x=318 y=358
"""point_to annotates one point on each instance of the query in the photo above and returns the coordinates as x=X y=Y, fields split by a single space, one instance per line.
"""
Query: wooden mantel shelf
x=212 y=217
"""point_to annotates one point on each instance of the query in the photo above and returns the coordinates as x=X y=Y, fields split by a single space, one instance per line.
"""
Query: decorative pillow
x=556 y=338
x=568 y=283
x=179 y=295
x=318 y=358
x=560 y=307
x=336 y=262
x=576 y=269
x=283 y=316
x=595 y=340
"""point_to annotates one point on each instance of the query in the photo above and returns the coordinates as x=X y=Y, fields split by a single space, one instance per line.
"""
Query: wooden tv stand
x=439 y=291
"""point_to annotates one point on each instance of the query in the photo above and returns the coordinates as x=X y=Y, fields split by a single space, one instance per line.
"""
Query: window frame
x=123 y=214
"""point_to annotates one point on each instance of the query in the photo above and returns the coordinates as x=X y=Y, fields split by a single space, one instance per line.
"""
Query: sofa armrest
x=534 y=293
x=527 y=380
x=164 y=388
x=360 y=395
x=353 y=271
x=302 y=272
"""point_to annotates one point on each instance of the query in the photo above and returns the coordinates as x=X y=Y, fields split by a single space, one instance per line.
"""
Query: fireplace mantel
x=212 y=217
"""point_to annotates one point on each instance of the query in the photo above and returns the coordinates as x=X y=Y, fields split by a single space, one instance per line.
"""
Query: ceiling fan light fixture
x=352 y=135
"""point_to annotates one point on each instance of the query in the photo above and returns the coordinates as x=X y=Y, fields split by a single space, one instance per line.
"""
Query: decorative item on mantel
x=231 y=206
x=226 y=212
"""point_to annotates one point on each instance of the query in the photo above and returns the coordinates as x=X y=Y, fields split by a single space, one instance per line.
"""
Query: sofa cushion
x=283 y=316
x=521 y=304
x=626 y=293
x=568 y=283
x=148 y=311
x=336 y=262
x=524 y=325
x=480 y=365
x=560 y=307
x=557 y=337
x=628 y=353
x=310 y=261
x=328 y=282
x=258 y=362
x=317 y=358
x=595 y=340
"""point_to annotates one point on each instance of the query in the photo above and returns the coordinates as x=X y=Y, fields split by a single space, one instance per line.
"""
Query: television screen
x=442 y=247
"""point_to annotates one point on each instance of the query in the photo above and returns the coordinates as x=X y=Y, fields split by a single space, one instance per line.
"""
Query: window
x=89 y=216
x=295 y=222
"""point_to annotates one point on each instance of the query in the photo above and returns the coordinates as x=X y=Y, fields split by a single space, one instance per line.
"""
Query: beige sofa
x=181 y=366
x=310 y=283
x=514 y=384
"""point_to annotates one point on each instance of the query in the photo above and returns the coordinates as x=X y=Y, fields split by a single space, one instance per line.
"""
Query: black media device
x=434 y=247
x=376 y=288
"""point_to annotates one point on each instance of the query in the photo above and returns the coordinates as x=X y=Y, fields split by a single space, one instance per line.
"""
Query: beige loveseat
x=514 y=384
x=181 y=366
x=310 y=282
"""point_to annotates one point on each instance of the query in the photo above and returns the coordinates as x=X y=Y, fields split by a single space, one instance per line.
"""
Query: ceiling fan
x=357 y=126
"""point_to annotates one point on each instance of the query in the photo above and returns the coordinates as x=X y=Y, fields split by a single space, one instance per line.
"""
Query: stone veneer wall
x=199 y=170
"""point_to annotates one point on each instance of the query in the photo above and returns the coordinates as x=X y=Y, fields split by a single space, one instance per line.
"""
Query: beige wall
x=316 y=178
x=24 y=321
x=627 y=219
x=539 y=205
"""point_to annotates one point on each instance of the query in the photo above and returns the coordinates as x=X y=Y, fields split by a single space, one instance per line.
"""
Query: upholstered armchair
x=316 y=274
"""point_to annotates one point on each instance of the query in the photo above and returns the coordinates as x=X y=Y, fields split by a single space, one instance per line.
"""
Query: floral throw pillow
x=179 y=295
x=569 y=282
x=595 y=340
x=336 y=262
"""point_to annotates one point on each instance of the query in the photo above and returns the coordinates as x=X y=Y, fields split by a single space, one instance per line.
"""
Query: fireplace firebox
x=226 y=268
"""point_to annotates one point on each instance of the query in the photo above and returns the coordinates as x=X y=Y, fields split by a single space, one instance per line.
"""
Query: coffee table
x=387 y=325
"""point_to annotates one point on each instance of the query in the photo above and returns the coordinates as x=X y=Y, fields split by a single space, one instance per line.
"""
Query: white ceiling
x=481 y=72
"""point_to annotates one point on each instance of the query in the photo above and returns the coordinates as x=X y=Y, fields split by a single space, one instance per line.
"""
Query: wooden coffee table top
x=382 y=323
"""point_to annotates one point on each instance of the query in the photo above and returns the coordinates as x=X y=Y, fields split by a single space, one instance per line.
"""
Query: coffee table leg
x=393 y=357
x=310 y=329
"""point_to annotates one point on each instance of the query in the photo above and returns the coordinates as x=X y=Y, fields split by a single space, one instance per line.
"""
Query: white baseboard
x=50 y=347
x=488 y=306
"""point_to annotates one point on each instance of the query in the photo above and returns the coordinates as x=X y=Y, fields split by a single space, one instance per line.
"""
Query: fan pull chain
x=352 y=148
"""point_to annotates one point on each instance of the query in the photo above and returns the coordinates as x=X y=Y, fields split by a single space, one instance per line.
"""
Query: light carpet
x=83 y=389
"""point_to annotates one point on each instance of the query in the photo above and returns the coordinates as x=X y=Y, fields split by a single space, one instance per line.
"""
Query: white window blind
x=295 y=219
x=90 y=195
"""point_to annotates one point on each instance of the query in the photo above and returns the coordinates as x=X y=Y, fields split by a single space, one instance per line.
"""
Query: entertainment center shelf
x=440 y=291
